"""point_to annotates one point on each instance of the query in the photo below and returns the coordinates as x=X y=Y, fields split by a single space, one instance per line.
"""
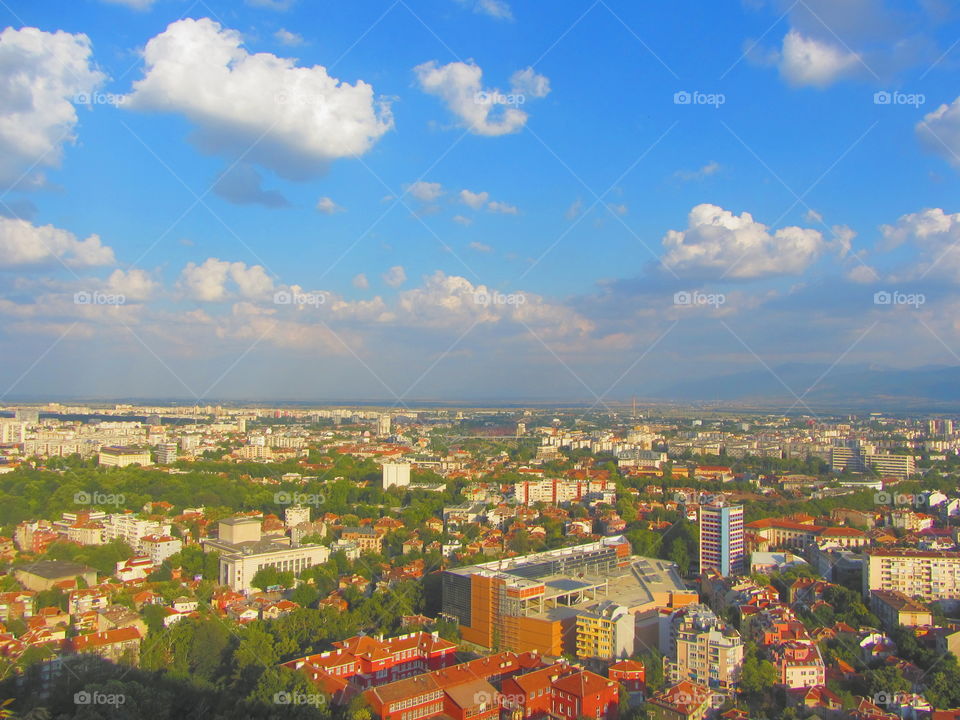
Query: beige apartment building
x=707 y=652
x=925 y=574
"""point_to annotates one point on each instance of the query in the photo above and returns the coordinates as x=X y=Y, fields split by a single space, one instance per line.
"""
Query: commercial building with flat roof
x=533 y=602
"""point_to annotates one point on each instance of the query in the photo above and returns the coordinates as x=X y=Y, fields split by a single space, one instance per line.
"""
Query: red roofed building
x=630 y=673
x=684 y=701
x=799 y=664
x=117 y=645
x=365 y=661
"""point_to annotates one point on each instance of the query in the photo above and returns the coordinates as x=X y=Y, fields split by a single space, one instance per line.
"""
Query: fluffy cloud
x=23 y=243
x=717 y=240
x=290 y=39
x=360 y=281
x=711 y=168
x=497 y=9
x=462 y=220
x=293 y=120
x=209 y=282
x=451 y=301
x=495 y=206
x=482 y=111
x=132 y=284
x=327 y=206
x=935 y=235
x=940 y=132
x=808 y=61
x=41 y=75
x=395 y=276
x=474 y=200
x=425 y=191
x=480 y=247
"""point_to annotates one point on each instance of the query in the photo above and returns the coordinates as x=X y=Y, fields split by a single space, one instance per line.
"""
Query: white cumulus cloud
x=211 y=281
x=23 y=243
x=717 y=240
x=483 y=111
x=808 y=61
x=940 y=132
x=395 y=276
x=293 y=120
x=42 y=75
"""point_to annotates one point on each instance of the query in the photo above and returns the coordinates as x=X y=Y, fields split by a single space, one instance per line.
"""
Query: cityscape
x=479 y=360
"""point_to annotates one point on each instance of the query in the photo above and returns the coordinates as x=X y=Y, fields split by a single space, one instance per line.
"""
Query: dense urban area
x=477 y=564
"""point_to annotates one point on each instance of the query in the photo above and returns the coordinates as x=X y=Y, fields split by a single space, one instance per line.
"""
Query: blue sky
x=471 y=199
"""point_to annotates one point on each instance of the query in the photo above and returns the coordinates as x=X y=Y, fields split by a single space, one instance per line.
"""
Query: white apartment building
x=123 y=456
x=396 y=475
x=927 y=574
x=159 y=547
x=296 y=514
x=132 y=529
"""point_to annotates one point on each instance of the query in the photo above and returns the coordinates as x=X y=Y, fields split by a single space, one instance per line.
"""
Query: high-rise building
x=28 y=416
x=721 y=539
x=295 y=515
x=396 y=474
x=166 y=453
x=383 y=425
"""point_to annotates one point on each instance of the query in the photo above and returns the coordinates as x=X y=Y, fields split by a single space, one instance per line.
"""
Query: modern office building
x=534 y=602
x=721 y=539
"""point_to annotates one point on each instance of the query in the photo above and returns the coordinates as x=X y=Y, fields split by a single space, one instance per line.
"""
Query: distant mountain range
x=844 y=386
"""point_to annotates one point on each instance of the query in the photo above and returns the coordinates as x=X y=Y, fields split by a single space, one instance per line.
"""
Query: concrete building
x=243 y=552
x=926 y=574
x=295 y=515
x=896 y=609
x=159 y=547
x=701 y=648
x=606 y=631
x=721 y=539
x=396 y=475
x=44 y=574
x=115 y=456
x=531 y=603
x=166 y=453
